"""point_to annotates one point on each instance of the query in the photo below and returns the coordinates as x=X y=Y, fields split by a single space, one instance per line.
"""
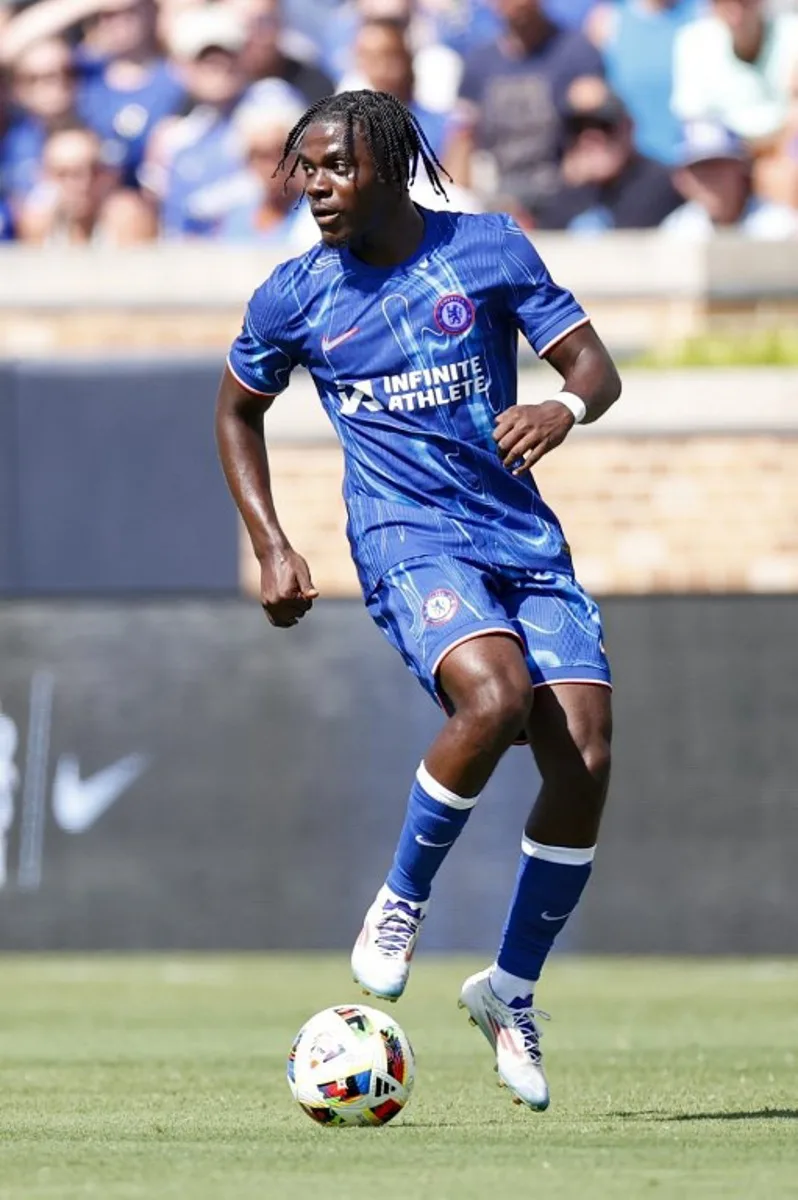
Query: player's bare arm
x=286 y=589
x=528 y=431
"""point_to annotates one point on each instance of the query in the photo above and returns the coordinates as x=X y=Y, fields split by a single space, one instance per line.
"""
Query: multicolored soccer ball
x=351 y=1065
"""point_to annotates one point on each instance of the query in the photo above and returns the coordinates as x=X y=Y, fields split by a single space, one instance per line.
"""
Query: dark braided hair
x=395 y=139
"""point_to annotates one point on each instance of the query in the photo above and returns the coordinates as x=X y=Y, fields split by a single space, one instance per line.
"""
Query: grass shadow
x=759 y=1114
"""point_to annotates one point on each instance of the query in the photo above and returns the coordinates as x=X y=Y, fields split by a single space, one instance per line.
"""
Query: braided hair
x=395 y=139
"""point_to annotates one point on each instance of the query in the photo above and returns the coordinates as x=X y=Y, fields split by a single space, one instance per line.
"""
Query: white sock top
x=441 y=793
x=567 y=856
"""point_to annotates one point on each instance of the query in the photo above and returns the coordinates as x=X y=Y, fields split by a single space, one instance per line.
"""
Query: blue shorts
x=427 y=606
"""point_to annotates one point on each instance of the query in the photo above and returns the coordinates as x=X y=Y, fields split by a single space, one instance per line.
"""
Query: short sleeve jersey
x=412 y=365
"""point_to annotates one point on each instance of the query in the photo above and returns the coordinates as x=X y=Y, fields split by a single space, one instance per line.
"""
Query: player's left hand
x=528 y=431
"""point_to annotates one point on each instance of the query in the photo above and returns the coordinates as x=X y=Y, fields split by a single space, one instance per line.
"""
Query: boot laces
x=396 y=928
x=525 y=1021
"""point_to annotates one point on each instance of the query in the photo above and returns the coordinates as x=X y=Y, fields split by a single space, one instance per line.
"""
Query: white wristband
x=574 y=404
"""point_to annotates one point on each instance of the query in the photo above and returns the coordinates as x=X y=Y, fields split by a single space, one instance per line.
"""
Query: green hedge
x=768 y=348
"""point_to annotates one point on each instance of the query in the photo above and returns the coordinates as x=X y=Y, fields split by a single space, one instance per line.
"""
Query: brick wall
x=664 y=514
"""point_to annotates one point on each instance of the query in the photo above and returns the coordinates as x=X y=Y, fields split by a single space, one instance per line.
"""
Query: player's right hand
x=286 y=589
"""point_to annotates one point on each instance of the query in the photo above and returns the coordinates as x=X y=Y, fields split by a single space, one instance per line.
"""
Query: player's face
x=347 y=200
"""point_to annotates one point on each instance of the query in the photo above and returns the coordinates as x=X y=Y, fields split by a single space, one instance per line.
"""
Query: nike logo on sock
x=422 y=841
x=557 y=917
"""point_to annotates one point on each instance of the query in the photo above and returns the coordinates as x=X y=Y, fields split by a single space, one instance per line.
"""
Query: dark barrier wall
x=109 y=480
x=9 y=517
x=182 y=775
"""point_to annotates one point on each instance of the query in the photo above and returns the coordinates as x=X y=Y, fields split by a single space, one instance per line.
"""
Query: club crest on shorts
x=440 y=606
x=454 y=314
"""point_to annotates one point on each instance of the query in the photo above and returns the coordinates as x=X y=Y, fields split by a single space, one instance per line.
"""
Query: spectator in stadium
x=79 y=200
x=125 y=84
x=714 y=177
x=511 y=99
x=44 y=95
x=273 y=52
x=776 y=171
x=456 y=26
x=636 y=38
x=436 y=67
x=195 y=164
x=7 y=223
x=736 y=66
x=6 y=215
x=570 y=14
x=271 y=213
x=461 y=25
x=383 y=63
x=7 y=231
x=605 y=182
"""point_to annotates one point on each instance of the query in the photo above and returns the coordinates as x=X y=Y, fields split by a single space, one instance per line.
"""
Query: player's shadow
x=759 y=1114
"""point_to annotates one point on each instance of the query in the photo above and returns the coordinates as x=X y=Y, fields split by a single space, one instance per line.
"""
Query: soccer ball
x=351 y=1065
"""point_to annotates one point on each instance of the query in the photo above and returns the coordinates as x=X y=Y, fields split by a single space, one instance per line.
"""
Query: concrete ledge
x=641 y=289
x=738 y=400
x=653 y=402
x=624 y=266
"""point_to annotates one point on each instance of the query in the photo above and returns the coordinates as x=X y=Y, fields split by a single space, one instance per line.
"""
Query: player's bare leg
x=570 y=732
x=487 y=681
x=569 y=729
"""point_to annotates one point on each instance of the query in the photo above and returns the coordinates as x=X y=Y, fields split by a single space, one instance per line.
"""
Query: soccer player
x=408 y=322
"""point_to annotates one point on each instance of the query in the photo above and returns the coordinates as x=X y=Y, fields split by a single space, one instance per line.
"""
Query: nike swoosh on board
x=331 y=343
x=433 y=845
x=78 y=803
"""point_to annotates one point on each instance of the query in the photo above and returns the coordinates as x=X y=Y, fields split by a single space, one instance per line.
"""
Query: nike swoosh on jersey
x=331 y=343
x=422 y=841
x=557 y=917
x=78 y=803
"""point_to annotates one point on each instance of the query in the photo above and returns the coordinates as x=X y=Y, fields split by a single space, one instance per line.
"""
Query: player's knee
x=590 y=783
x=589 y=754
x=597 y=758
x=582 y=772
x=498 y=709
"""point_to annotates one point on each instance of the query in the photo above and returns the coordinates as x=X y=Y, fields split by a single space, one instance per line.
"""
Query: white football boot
x=382 y=953
x=513 y=1034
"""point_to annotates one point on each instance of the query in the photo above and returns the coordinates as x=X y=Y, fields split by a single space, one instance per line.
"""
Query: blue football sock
x=547 y=889
x=434 y=820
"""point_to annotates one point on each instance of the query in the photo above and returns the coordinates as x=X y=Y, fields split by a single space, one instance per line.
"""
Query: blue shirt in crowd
x=125 y=118
x=518 y=104
x=639 y=58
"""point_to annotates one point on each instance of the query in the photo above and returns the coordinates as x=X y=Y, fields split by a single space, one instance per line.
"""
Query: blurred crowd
x=123 y=121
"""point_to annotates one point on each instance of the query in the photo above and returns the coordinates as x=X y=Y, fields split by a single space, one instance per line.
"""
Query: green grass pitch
x=164 y=1078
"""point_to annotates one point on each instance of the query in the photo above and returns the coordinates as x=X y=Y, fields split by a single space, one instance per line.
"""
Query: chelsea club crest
x=454 y=314
x=440 y=606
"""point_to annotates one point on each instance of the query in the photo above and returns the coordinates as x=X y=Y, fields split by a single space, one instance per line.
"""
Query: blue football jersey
x=413 y=364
